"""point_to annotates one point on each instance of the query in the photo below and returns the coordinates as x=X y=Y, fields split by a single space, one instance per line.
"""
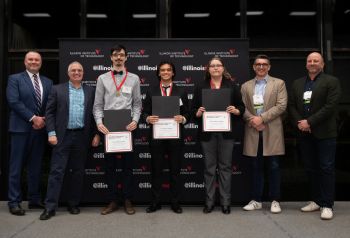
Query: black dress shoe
x=226 y=209
x=46 y=215
x=74 y=210
x=36 y=205
x=208 y=209
x=153 y=207
x=176 y=208
x=17 y=211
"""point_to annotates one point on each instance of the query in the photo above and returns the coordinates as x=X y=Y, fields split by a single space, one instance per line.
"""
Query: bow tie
x=117 y=72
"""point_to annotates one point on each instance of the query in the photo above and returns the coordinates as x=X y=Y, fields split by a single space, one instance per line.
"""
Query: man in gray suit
x=265 y=98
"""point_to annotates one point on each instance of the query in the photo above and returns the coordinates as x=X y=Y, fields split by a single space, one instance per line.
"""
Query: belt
x=75 y=129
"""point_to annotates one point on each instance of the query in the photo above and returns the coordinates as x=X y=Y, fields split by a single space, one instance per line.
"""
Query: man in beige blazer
x=265 y=98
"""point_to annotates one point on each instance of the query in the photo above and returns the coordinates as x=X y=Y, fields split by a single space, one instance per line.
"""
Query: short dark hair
x=118 y=48
x=163 y=63
x=262 y=56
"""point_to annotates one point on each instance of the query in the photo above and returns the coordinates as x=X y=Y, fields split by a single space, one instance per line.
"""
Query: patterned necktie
x=37 y=93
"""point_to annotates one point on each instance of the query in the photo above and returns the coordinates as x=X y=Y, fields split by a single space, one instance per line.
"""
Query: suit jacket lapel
x=29 y=83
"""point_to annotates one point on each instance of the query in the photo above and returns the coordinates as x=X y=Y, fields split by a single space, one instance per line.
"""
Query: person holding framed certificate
x=118 y=89
x=166 y=109
x=217 y=144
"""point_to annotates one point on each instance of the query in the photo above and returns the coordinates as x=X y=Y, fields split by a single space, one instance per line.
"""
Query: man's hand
x=179 y=118
x=102 y=129
x=132 y=126
x=200 y=111
x=95 y=141
x=38 y=122
x=52 y=140
x=152 y=119
x=304 y=126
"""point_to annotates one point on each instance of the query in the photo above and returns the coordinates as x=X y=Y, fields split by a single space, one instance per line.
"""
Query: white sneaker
x=312 y=206
x=252 y=205
x=326 y=213
x=275 y=207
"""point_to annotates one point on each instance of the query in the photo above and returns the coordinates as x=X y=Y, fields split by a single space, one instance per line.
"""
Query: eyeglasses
x=118 y=54
x=215 y=65
x=264 y=65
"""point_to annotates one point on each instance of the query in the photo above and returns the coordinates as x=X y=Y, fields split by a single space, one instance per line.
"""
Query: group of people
x=71 y=117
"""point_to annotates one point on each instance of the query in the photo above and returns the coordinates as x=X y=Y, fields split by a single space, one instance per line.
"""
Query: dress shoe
x=176 y=208
x=208 y=209
x=129 y=209
x=153 y=207
x=111 y=207
x=326 y=213
x=226 y=209
x=17 y=210
x=74 y=210
x=46 y=215
x=36 y=205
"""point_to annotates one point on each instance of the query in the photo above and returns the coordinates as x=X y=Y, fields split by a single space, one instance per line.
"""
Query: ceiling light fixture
x=196 y=15
x=144 y=16
x=302 y=14
x=251 y=13
x=43 y=14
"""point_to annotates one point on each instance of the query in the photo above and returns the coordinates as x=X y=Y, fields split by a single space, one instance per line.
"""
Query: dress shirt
x=260 y=85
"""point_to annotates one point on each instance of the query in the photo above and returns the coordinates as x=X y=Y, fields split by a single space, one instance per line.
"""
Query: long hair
x=226 y=75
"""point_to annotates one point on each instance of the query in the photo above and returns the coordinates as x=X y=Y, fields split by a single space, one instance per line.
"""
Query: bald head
x=314 y=64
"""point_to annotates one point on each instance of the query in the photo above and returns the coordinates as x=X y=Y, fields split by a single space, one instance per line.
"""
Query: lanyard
x=121 y=84
x=212 y=85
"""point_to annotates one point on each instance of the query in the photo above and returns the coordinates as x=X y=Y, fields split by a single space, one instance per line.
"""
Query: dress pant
x=319 y=159
x=26 y=148
x=159 y=148
x=218 y=156
x=258 y=164
x=68 y=161
x=125 y=162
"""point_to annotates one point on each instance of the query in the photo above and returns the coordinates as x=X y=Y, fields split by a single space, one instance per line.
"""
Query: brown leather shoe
x=112 y=206
x=129 y=208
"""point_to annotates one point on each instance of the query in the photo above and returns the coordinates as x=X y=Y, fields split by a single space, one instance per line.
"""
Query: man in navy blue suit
x=27 y=94
x=70 y=127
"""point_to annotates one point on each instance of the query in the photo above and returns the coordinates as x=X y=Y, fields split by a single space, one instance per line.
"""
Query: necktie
x=37 y=93
x=166 y=90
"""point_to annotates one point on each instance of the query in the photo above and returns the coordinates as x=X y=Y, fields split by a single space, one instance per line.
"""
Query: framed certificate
x=219 y=121
x=166 y=128
x=116 y=142
x=166 y=108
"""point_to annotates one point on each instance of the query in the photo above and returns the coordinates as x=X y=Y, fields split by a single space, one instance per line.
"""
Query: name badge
x=307 y=96
x=126 y=89
x=258 y=101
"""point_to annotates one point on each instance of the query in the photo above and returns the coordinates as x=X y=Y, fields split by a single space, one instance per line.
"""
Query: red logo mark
x=142 y=80
x=166 y=185
x=98 y=51
x=232 y=51
x=142 y=52
x=189 y=168
x=187 y=51
x=143 y=167
x=98 y=168
x=188 y=80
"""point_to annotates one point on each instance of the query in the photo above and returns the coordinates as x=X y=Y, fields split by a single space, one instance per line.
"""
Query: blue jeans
x=258 y=175
x=319 y=159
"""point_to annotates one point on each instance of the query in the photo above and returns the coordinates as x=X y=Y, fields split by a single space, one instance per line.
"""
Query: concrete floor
x=291 y=223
